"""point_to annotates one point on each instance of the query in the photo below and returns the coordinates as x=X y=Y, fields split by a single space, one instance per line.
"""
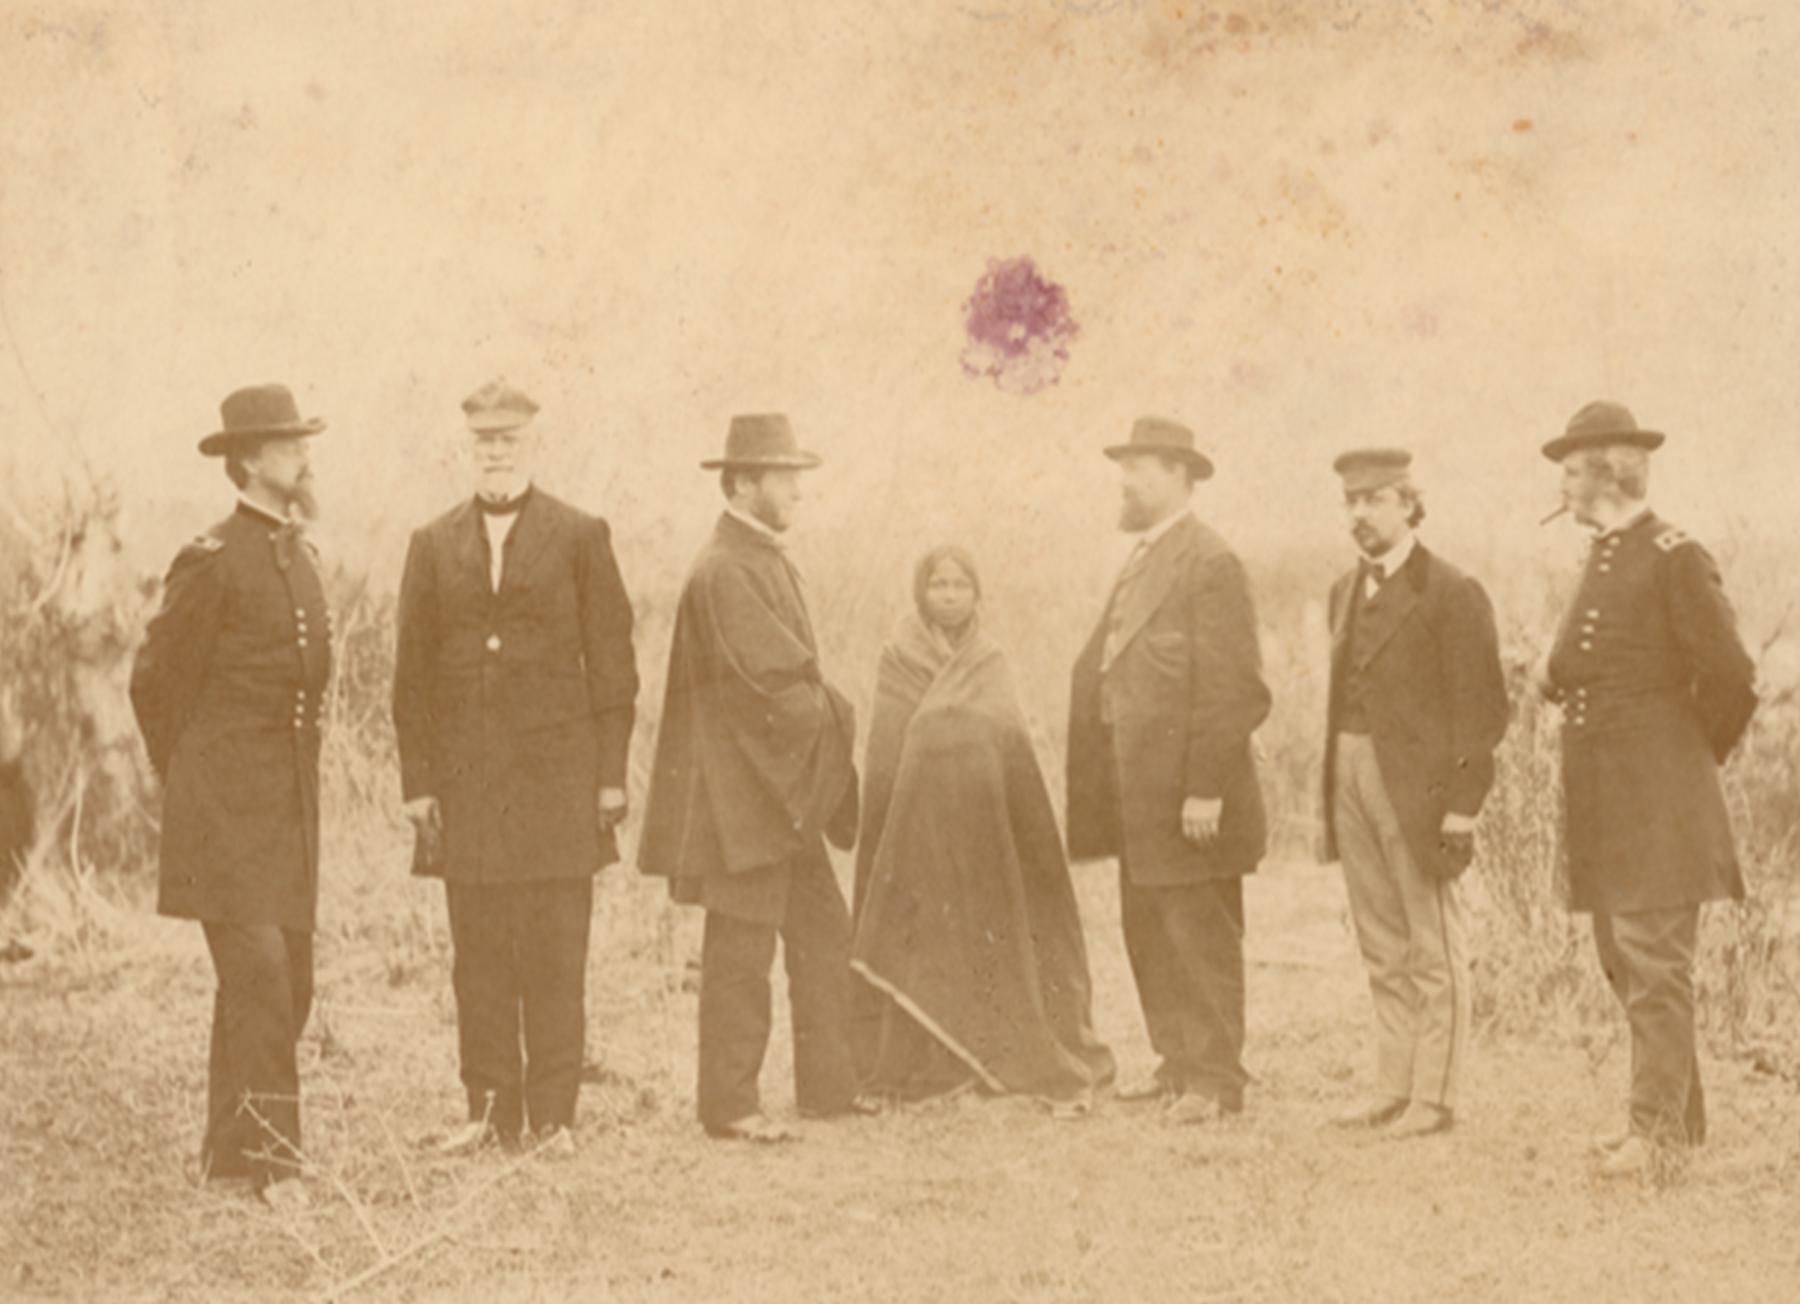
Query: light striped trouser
x=1409 y=928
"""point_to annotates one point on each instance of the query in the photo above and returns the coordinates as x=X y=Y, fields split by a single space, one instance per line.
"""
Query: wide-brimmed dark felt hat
x=1166 y=438
x=765 y=442
x=255 y=413
x=1599 y=425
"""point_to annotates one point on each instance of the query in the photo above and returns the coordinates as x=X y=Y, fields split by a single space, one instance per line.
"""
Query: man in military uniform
x=1164 y=700
x=1416 y=707
x=228 y=688
x=515 y=686
x=753 y=772
x=1656 y=689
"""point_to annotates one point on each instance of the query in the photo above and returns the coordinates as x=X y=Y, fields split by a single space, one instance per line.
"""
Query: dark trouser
x=1187 y=954
x=265 y=977
x=1648 y=959
x=735 y=1015
x=521 y=966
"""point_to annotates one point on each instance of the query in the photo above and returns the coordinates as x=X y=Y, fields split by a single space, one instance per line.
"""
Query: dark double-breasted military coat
x=229 y=688
x=1656 y=690
x=1184 y=692
x=515 y=708
x=1435 y=696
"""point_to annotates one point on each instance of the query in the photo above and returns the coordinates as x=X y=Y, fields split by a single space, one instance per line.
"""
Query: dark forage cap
x=1368 y=469
x=498 y=405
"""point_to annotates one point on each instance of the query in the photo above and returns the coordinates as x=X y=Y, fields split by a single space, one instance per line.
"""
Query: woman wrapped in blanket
x=968 y=941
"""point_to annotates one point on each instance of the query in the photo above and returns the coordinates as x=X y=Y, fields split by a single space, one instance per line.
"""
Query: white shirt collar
x=1149 y=537
x=260 y=510
x=1395 y=557
x=773 y=536
x=1625 y=524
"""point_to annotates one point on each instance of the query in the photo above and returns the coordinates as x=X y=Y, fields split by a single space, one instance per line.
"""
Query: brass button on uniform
x=493 y=643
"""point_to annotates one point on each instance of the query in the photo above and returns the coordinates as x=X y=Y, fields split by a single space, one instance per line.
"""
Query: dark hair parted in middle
x=929 y=563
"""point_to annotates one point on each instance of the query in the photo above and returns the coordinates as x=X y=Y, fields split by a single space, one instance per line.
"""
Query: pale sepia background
x=1295 y=226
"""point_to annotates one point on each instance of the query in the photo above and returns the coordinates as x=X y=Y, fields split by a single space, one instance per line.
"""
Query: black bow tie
x=502 y=506
x=1374 y=570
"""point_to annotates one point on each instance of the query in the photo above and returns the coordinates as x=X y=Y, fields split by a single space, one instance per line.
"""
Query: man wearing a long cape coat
x=966 y=922
x=753 y=768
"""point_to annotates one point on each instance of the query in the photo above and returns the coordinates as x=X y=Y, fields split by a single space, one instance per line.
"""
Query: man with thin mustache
x=229 y=691
x=1417 y=706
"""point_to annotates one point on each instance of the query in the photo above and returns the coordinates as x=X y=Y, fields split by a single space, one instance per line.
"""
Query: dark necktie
x=501 y=506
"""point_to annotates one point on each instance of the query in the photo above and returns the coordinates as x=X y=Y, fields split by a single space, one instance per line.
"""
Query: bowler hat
x=257 y=412
x=1597 y=425
x=1166 y=438
x=498 y=406
x=1368 y=469
x=762 y=442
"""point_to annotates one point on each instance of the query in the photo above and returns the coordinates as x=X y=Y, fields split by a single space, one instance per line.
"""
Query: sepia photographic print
x=1043 y=650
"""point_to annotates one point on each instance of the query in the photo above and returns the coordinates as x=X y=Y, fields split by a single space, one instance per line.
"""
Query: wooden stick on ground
x=443 y=1230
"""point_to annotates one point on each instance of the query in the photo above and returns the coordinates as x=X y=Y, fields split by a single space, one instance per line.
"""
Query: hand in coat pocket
x=428 y=834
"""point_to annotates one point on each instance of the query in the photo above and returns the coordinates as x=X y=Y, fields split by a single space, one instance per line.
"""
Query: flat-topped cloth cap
x=1368 y=469
x=1599 y=425
x=255 y=413
x=762 y=441
x=1168 y=438
x=498 y=406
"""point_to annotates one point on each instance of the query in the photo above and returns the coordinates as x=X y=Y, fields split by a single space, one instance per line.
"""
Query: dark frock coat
x=515 y=708
x=1656 y=690
x=1435 y=697
x=1185 y=693
x=229 y=689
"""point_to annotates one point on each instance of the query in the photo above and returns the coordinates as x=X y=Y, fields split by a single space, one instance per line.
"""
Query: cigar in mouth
x=1553 y=515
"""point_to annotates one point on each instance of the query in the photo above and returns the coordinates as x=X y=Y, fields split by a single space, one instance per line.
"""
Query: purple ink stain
x=1019 y=327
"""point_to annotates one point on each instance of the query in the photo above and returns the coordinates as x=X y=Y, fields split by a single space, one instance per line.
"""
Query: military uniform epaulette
x=1672 y=538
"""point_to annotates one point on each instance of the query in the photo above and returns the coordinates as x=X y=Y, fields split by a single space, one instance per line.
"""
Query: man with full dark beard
x=1165 y=698
x=228 y=688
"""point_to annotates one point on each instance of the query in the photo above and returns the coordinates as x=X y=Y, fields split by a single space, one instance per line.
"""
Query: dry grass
x=975 y=1199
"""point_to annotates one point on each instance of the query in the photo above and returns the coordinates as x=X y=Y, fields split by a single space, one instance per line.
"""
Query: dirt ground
x=972 y=1199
